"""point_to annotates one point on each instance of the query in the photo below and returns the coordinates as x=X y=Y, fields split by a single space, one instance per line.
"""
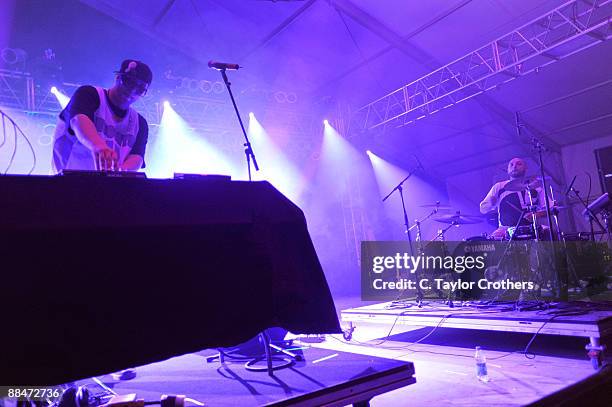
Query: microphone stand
x=400 y=189
x=539 y=147
x=248 y=149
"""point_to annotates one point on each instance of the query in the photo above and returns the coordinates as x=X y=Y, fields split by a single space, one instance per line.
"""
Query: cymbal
x=517 y=185
x=460 y=219
x=435 y=205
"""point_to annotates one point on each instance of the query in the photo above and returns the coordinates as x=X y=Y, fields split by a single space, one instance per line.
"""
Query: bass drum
x=480 y=250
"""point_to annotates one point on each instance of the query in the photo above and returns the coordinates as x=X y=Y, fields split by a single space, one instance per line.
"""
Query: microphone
x=221 y=66
x=571 y=185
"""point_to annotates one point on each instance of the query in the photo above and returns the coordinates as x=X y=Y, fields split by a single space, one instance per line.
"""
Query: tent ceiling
x=359 y=50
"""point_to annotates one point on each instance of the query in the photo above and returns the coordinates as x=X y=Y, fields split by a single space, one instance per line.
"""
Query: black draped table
x=100 y=274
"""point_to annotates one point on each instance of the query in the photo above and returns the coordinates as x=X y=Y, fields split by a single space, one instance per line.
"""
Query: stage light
x=325 y=122
x=251 y=115
x=178 y=148
x=61 y=98
x=275 y=165
x=416 y=190
x=338 y=155
x=368 y=152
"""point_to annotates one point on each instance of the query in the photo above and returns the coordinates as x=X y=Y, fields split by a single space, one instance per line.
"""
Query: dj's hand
x=106 y=159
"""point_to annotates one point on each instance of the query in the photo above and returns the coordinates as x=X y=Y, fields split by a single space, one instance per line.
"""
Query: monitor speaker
x=603 y=156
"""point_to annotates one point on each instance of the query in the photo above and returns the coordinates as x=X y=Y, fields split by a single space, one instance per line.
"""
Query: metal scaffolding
x=570 y=28
x=209 y=115
x=16 y=90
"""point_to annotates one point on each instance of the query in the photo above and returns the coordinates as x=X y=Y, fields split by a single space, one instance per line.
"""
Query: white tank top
x=118 y=133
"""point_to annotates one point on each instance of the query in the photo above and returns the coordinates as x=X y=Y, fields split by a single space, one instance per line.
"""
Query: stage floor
x=444 y=357
x=325 y=377
x=582 y=319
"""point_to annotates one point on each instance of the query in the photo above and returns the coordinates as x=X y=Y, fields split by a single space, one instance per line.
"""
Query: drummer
x=511 y=197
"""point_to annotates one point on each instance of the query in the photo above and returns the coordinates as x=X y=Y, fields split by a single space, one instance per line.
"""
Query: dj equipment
x=92 y=173
x=104 y=273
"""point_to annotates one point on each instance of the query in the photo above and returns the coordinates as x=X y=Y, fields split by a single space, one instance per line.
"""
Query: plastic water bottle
x=481 y=365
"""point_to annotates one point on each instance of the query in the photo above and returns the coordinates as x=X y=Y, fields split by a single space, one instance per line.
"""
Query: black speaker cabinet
x=604 y=168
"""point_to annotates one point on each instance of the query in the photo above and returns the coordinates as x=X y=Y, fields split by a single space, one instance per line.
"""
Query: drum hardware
x=524 y=232
x=577 y=237
x=459 y=219
x=539 y=147
x=441 y=232
x=514 y=234
x=417 y=223
x=521 y=184
x=436 y=206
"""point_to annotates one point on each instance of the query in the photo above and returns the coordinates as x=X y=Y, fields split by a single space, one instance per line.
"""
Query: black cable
x=16 y=130
x=572 y=310
x=442 y=319
x=3 y=129
x=14 y=150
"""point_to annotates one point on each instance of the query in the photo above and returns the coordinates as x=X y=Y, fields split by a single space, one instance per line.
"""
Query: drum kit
x=519 y=261
x=529 y=227
x=515 y=253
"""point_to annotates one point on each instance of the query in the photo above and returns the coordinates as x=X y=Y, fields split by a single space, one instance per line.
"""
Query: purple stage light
x=61 y=98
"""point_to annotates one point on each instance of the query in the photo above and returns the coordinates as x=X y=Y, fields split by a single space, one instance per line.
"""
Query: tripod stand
x=248 y=149
x=400 y=189
x=271 y=353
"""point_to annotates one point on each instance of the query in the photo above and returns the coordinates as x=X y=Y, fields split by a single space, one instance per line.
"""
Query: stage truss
x=568 y=29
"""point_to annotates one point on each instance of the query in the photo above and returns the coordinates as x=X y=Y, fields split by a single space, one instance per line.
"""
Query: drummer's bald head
x=517 y=168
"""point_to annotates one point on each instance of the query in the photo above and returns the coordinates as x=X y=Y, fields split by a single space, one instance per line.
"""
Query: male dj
x=98 y=130
x=511 y=197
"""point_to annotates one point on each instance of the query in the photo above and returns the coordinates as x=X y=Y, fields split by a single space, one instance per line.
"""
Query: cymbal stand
x=506 y=250
x=533 y=210
x=440 y=235
x=540 y=148
x=555 y=213
x=418 y=222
